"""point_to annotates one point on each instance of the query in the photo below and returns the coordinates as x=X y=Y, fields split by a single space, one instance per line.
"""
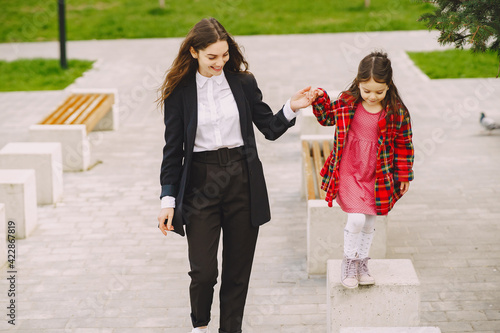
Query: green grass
x=456 y=64
x=36 y=20
x=39 y=74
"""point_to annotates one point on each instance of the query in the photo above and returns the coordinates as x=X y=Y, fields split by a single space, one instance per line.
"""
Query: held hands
x=166 y=214
x=315 y=93
x=304 y=98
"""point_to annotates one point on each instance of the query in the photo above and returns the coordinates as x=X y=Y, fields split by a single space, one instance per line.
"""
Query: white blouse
x=218 y=116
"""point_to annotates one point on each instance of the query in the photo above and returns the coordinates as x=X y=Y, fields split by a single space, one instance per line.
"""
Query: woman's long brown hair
x=377 y=65
x=202 y=35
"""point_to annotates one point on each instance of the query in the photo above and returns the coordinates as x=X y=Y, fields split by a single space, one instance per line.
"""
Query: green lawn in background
x=456 y=64
x=39 y=74
x=36 y=20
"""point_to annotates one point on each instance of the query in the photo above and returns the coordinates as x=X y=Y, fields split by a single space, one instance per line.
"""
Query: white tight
x=360 y=222
x=358 y=235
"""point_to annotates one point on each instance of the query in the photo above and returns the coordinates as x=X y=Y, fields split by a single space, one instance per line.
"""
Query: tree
x=474 y=23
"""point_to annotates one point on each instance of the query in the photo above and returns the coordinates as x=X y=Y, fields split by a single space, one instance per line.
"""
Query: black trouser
x=217 y=198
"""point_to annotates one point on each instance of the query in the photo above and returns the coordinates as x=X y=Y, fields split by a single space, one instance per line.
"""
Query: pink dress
x=359 y=161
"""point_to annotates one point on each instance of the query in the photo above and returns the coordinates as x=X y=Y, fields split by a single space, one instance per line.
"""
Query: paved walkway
x=97 y=263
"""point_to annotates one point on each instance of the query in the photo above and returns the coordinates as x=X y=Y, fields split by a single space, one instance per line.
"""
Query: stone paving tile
x=97 y=264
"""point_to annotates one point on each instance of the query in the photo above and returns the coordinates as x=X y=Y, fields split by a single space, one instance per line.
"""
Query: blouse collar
x=201 y=80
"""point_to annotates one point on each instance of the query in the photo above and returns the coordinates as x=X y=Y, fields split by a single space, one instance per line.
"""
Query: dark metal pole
x=62 y=34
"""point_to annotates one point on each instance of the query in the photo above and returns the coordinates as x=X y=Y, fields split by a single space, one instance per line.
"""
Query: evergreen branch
x=462 y=22
x=474 y=36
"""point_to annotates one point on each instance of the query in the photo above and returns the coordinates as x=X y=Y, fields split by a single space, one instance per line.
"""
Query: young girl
x=370 y=166
x=211 y=173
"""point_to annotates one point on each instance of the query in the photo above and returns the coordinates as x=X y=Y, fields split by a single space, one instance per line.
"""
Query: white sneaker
x=349 y=273
x=364 y=276
x=200 y=330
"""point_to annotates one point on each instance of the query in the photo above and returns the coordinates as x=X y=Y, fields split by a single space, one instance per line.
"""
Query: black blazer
x=181 y=116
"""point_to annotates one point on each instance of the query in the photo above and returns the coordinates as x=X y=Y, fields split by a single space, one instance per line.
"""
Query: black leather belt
x=222 y=156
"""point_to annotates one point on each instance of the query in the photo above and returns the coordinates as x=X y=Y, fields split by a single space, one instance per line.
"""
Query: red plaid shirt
x=395 y=150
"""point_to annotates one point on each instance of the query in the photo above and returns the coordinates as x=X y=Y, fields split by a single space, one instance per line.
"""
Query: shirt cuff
x=168 y=202
x=288 y=112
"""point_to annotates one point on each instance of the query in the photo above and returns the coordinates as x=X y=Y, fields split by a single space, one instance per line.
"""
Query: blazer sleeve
x=270 y=124
x=173 y=151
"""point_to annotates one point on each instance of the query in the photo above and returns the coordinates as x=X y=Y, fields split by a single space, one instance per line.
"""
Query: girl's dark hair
x=202 y=35
x=377 y=65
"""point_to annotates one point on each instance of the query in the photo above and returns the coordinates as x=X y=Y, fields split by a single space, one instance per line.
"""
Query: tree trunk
x=367 y=3
x=162 y=4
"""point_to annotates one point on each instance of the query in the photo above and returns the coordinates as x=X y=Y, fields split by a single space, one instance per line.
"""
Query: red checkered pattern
x=395 y=150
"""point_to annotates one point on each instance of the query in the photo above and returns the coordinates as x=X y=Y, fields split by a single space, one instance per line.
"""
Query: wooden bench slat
x=326 y=149
x=95 y=111
x=306 y=157
x=326 y=153
x=73 y=109
x=84 y=106
x=314 y=154
x=318 y=164
x=81 y=108
x=72 y=105
x=61 y=110
x=102 y=109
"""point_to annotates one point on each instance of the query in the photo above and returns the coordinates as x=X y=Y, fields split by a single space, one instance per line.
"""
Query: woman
x=211 y=173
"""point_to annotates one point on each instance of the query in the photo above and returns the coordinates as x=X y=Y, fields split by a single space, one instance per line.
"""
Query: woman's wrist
x=289 y=113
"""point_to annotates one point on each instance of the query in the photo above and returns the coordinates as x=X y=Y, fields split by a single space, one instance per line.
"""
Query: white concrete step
x=390 y=330
x=393 y=301
x=45 y=158
x=18 y=193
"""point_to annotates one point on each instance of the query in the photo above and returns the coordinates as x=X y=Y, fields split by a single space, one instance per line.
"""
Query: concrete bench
x=71 y=121
x=390 y=330
x=394 y=300
x=3 y=236
x=45 y=158
x=18 y=193
x=325 y=225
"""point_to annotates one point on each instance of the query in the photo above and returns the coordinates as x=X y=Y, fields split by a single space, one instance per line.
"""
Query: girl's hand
x=314 y=94
x=168 y=215
x=300 y=99
x=404 y=187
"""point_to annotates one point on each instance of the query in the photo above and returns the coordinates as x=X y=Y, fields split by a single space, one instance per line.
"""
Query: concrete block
x=18 y=193
x=45 y=158
x=390 y=330
x=325 y=235
x=109 y=122
x=393 y=301
x=74 y=141
x=3 y=236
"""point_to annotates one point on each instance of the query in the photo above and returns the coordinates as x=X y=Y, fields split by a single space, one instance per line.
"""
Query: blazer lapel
x=190 y=112
x=239 y=97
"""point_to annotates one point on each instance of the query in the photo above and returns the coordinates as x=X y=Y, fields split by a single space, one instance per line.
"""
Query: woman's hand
x=166 y=214
x=314 y=94
x=404 y=187
x=300 y=99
